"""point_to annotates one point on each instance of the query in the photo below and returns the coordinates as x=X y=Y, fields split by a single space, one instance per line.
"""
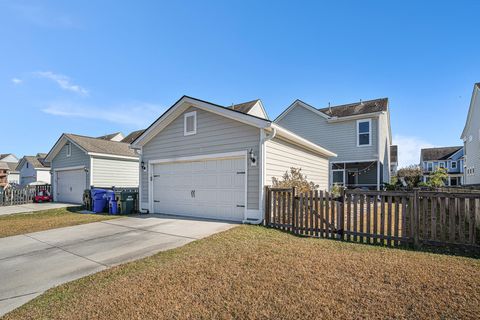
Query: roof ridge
x=93 y=138
x=352 y=103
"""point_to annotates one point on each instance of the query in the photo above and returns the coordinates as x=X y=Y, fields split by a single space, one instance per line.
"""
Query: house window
x=69 y=149
x=190 y=123
x=454 y=164
x=337 y=177
x=27 y=165
x=364 y=132
x=442 y=164
x=430 y=166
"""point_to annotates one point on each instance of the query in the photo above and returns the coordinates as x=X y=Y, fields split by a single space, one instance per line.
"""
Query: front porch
x=353 y=175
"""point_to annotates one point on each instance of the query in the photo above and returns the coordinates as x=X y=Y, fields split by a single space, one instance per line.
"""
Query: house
x=359 y=133
x=11 y=161
x=117 y=136
x=34 y=169
x=132 y=136
x=449 y=158
x=471 y=140
x=205 y=160
x=393 y=160
x=79 y=162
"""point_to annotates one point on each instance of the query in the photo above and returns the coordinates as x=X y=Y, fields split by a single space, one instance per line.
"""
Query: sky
x=96 y=67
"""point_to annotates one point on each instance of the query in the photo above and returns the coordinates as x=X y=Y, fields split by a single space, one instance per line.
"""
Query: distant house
x=393 y=160
x=471 y=139
x=450 y=158
x=359 y=133
x=34 y=169
x=79 y=162
x=117 y=136
x=11 y=161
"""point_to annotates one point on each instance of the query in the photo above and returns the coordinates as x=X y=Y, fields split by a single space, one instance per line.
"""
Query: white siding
x=215 y=134
x=44 y=176
x=114 y=172
x=472 y=148
x=282 y=155
x=27 y=175
x=13 y=178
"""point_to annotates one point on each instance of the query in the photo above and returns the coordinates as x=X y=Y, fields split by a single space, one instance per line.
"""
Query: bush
x=294 y=178
x=412 y=175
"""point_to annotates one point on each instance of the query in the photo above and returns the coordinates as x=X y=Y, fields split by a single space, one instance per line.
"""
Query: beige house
x=205 y=160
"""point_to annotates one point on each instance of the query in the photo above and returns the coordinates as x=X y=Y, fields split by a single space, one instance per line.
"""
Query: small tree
x=412 y=175
x=294 y=178
x=437 y=178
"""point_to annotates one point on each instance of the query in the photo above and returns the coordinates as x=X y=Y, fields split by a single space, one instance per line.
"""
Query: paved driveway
x=35 y=262
x=32 y=207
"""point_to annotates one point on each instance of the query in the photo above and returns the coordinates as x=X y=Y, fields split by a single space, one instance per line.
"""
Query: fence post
x=294 y=210
x=267 y=206
x=416 y=217
x=340 y=214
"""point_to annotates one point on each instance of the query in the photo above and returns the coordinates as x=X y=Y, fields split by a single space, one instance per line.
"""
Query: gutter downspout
x=262 y=174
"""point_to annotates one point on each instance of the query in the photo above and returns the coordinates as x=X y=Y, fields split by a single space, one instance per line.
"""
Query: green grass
x=253 y=272
x=21 y=223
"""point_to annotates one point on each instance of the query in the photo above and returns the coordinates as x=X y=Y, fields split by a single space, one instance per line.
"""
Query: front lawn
x=252 y=272
x=21 y=223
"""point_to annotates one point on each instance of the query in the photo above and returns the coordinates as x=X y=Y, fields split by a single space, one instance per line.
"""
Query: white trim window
x=453 y=165
x=190 y=123
x=364 y=133
x=429 y=166
x=338 y=177
x=442 y=165
x=69 y=149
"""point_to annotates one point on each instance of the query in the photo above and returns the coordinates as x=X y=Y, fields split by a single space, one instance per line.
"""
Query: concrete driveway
x=33 y=207
x=35 y=262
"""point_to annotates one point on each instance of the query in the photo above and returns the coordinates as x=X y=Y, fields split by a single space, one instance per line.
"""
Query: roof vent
x=361 y=102
x=329 y=108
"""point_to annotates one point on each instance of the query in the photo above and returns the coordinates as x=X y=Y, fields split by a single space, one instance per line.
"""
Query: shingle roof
x=109 y=136
x=132 y=136
x=442 y=153
x=244 y=107
x=90 y=144
x=4 y=155
x=393 y=153
x=478 y=85
x=4 y=166
x=12 y=166
x=356 y=108
x=36 y=162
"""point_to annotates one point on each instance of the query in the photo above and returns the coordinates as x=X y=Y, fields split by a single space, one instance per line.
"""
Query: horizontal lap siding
x=472 y=148
x=338 y=137
x=215 y=134
x=114 y=172
x=77 y=158
x=282 y=155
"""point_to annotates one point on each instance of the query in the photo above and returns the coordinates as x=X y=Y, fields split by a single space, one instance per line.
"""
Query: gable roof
x=4 y=155
x=244 y=107
x=443 y=153
x=393 y=153
x=12 y=166
x=186 y=102
x=476 y=89
x=357 y=108
x=132 y=136
x=37 y=162
x=110 y=136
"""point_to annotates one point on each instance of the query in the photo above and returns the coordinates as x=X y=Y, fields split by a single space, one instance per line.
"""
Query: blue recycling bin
x=112 y=202
x=98 y=200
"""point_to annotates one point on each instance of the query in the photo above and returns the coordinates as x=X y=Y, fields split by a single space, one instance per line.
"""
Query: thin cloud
x=409 y=149
x=134 y=114
x=41 y=16
x=63 y=82
x=16 y=81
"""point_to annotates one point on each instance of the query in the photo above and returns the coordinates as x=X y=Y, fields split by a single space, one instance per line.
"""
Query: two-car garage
x=210 y=188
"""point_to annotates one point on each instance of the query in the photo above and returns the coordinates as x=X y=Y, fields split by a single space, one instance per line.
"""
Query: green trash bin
x=127 y=201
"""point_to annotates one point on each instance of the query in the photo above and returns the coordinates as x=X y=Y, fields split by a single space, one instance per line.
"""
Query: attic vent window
x=190 y=123
x=69 y=149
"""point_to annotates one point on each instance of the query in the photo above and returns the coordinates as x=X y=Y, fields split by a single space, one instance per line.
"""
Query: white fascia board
x=184 y=104
x=106 y=155
x=356 y=117
x=296 y=139
x=301 y=104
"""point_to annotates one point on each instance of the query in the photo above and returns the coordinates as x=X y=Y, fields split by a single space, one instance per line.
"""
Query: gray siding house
x=449 y=158
x=471 y=140
x=79 y=162
x=205 y=160
x=359 y=133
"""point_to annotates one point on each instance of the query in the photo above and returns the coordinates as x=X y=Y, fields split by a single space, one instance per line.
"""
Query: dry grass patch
x=21 y=223
x=257 y=273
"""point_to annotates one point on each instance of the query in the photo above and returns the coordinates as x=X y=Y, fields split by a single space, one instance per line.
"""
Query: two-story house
x=9 y=162
x=450 y=158
x=471 y=139
x=359 y=133
x=34 y=169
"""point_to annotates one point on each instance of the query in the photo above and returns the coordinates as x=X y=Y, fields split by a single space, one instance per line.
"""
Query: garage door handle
x=192 y=193
x=240 y=206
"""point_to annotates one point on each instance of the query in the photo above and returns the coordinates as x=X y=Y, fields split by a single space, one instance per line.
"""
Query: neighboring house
x=3 y=174
x=393 y=160
x=359 y=133
x=132 y=136
x=34 y=169
x=117 y=136
x=79 y=162
x=471 y=139
x=450 y=158
x=11 y=161
x=205 y=160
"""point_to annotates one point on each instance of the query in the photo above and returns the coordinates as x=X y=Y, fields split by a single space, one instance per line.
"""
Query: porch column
x=378 y=175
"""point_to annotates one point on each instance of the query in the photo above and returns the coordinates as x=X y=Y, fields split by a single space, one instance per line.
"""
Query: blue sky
x=95 y=67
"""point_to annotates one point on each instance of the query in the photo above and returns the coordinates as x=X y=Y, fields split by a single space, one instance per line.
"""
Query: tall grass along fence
x=392 y=218
x=16 y=196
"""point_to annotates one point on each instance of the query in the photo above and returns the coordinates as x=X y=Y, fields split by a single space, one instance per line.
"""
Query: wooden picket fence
x=17 y=196
x=392 y=218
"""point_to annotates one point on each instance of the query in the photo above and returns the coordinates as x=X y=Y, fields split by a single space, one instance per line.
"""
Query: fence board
x=362 y=202
x=369 y=231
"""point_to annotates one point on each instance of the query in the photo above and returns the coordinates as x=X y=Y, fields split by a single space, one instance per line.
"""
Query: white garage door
x=208 y=188
x=70 y=185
